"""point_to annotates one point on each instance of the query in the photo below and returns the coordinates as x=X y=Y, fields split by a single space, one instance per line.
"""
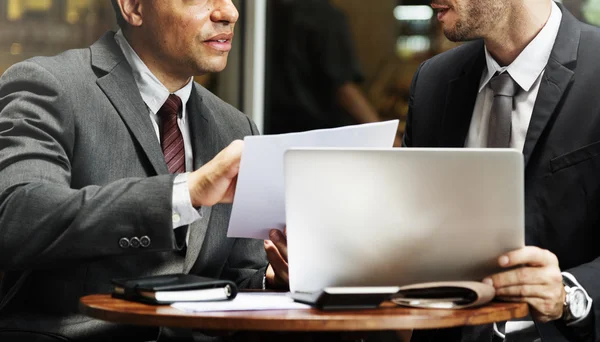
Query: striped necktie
x=171 y=142
x=171 y=139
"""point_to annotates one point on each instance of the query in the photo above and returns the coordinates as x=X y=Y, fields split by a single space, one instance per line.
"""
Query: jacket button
x=135 y=242
x=145 y=241
x=124 y=243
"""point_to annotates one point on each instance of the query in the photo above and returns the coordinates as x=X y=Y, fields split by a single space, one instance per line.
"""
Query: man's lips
x=439 y=6
x=221 y=37
x=221 y=42
x=441 y=9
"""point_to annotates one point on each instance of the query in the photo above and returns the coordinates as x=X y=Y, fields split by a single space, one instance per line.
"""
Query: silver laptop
x=391 y=217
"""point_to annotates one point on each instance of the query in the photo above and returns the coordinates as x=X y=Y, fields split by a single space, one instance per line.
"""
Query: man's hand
x=215 y=181
x=538 y=282
x=276 y=248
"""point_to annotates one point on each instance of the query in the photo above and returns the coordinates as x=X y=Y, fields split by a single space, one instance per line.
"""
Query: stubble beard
x=459 y=33
x=474 y=21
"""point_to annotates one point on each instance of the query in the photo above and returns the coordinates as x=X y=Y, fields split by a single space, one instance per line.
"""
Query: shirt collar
x=532 y=61
x=153 y=92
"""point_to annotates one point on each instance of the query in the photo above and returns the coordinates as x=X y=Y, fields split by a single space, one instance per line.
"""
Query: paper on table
x=259 y=203
x=245 y=302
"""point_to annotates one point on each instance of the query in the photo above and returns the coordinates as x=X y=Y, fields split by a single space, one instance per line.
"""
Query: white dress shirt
x=527 y=71
x=155 y=94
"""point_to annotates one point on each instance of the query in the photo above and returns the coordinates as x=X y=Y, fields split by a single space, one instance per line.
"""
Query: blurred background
x=374 y=46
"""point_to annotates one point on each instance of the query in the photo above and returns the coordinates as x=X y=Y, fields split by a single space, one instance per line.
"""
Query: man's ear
x=131 y=10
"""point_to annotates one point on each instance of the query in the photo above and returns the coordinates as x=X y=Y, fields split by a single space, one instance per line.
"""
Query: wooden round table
x=387 y=317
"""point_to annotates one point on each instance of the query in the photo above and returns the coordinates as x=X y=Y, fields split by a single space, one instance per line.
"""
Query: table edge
x=233 y=323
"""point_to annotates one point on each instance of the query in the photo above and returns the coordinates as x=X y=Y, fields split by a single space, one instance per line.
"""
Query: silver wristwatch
x=575 y=304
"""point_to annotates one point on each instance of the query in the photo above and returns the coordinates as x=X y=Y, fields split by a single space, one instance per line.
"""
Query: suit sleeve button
x=145 y=241
x=124 y=243
x=176 y=218
x=135 y=242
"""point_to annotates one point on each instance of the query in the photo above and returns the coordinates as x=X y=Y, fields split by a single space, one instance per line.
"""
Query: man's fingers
x=279 y=264
x=276 y=250
x=530 y=255
x=280 y=241
x=539 y=283
x=229 y=194
x=533 y=291
x=228 y=160
x=215 y=181
x=522 y=276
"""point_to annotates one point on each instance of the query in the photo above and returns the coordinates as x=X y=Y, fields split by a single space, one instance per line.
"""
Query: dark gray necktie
x=499 y=130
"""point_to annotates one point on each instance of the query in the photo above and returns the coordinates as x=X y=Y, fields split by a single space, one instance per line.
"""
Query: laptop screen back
x=393 y=217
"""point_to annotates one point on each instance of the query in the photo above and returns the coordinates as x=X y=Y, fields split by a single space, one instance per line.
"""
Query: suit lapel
x=557 y=77
x=206 y=143
x=120 y=88
x=206 y=140
x=460 y=101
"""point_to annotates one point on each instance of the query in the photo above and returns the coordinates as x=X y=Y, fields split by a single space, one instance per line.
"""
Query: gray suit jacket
x=81 y=168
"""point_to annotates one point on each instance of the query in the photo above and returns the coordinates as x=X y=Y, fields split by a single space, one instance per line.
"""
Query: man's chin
x=212 y=66
x=456 y=36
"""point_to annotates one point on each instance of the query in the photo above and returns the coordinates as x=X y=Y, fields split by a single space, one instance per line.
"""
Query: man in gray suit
x=114 y=163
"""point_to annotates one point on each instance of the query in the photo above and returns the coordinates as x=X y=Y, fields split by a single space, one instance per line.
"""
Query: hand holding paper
x=259 y=202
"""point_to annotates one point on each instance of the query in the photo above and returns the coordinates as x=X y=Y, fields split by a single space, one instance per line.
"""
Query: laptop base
x=346 y=298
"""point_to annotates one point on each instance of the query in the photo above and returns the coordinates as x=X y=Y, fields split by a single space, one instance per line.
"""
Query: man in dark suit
x=527 y=81
x=114 y=163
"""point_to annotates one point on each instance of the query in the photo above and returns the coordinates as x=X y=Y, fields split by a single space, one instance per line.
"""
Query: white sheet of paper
x=245 y=302
x=259 y=203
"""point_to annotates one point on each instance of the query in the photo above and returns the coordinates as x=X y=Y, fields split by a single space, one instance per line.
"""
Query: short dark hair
x=120 y=20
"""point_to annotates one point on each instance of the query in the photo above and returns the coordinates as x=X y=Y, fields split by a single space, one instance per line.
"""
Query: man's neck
x=511 y=37
x=171 y=80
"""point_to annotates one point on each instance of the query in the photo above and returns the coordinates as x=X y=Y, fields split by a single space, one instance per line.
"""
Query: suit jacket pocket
x=575 y=157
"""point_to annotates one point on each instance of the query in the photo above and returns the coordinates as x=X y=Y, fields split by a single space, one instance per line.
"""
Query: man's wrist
x=184 y=212
x=577 y=304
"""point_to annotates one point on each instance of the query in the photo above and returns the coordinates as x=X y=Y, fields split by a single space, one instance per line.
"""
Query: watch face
x=577 y=304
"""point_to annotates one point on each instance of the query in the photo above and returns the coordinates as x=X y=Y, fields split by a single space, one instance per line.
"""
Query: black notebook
x=166 y=289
